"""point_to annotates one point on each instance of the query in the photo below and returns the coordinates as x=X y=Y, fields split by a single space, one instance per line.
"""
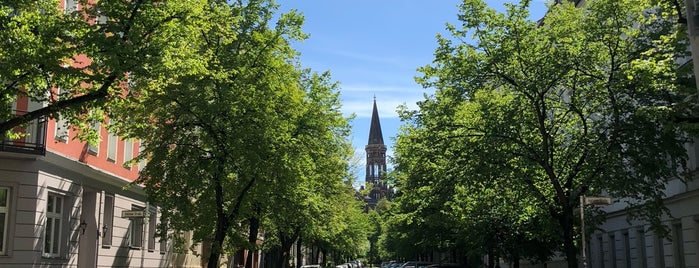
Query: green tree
x=223 y=123
x=312 y=205
x=89 y=53
x=580 y=103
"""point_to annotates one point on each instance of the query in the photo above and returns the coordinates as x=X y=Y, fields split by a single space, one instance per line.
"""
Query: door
x=87 y=231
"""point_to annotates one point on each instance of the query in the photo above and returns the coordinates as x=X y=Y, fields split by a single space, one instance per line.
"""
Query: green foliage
x=235 y=130
x=529 y=116
x=80 y=61
x=231 y=127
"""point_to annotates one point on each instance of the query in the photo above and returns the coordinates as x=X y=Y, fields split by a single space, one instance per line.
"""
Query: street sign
x=597 y=200
x=133 y=214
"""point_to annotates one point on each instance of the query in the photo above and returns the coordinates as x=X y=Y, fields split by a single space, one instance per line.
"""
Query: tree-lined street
x=250 y=152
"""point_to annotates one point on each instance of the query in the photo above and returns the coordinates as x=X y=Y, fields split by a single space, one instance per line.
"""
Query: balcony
x=32 y=142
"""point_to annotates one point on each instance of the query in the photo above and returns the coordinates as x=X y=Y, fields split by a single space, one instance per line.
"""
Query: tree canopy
x=82 y=58
x=530 y=115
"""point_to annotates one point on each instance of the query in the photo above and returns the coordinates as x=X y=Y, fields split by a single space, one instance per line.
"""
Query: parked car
x=416 y=264
x=446 y=265
x=356 y=264
x=387 y=264
x=395 y=264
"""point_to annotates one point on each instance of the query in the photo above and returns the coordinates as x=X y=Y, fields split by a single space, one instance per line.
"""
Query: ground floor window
x=136 y=230
x=4 y=215
x=108 y=222
x=152 y=222
x=54 y=225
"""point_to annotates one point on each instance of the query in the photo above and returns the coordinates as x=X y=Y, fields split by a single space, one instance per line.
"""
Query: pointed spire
x=375 y=135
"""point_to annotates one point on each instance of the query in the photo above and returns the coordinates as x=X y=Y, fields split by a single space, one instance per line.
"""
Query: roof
x=375 y=135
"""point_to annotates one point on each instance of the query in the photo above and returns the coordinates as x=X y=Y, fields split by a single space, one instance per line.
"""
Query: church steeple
x=376 y=162
x=375 y=135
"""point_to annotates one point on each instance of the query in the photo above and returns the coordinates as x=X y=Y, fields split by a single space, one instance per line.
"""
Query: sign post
x=597 y=201
x=133 y=214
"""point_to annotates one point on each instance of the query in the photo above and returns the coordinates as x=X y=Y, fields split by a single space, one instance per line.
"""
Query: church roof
x=375 y=135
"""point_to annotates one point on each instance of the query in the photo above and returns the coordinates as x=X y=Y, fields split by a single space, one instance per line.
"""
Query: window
x=641 y=247
x=152 y=213
x=4 y=213
x=659 y=253
x=142 y=163
x=62 y=126
x=70 y=6
x=678 y=245
x=612 y=250
x=112 y=147
x=94 y=149
x=128 y=153
x=163 y=244
x=627 y=248
x=53 y=227
x=108 y=220
x=136 y=230
x=600 y=257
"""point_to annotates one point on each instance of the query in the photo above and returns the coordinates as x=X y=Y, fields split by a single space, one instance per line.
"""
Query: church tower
x=376 y=161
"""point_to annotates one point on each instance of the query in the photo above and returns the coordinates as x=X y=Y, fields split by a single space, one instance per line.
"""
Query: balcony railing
x=32 y=141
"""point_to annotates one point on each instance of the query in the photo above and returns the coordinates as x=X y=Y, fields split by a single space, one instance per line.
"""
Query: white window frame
x=135 y=233
x=94 y=149
x=69 y=6
x=163 y=244
x=128 y=153
x=112 y=144
x=152 y=224
x=108 y=221
x=62 y=129
x=53 y=233
x=5 y=210
x=142 y=163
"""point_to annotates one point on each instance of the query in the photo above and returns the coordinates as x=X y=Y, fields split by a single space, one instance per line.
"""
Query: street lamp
x=590 y=200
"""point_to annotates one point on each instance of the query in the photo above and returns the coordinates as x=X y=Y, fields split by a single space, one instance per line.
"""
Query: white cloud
x=358 y=99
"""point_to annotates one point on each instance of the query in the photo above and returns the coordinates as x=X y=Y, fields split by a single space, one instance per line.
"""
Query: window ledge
x=54 y=257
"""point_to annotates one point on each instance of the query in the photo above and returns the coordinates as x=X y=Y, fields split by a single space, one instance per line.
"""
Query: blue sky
x=373 y=48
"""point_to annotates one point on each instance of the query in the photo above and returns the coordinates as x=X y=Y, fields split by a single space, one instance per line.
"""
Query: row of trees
x=240 y=140
x=530 y=115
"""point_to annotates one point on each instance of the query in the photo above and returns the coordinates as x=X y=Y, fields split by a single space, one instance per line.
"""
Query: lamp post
x=592 y=200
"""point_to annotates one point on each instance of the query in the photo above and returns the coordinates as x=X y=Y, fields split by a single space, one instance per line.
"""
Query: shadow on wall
x=70 y=226
x=122 y=258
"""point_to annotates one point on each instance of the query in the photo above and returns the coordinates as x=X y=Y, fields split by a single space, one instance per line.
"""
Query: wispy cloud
x=358 y=99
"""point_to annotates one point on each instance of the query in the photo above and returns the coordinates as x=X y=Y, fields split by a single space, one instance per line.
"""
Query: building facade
x=66 y=203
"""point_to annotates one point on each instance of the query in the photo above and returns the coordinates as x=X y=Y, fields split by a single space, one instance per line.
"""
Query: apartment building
x=66 y=203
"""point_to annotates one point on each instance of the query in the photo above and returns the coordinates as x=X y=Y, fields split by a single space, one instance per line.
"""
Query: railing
x=32 y=140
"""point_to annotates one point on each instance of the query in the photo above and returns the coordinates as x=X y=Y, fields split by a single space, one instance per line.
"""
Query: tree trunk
x=299 y=258
x=217 y=244
x=286 y=243
x=224 y=219
x=491 y=257
x=571 y=251
x=252 y=239
x=316 y=254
